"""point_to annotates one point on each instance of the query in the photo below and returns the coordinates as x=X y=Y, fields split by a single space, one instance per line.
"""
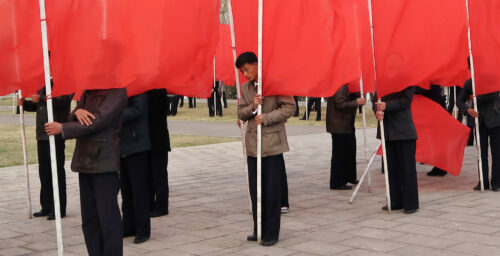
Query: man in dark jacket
x=489 y=128
x=95 y=123
x=400 y=141
x=134 y=147
x=158 y=156
x=340 y=115
x=61 y=106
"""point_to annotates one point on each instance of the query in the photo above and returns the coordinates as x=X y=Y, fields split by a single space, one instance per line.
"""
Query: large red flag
x=224 y=61
x=418 y=42
x=21 y=61
x=485 y=35
x=140 y=45
x=441 y=138
x=304 y=50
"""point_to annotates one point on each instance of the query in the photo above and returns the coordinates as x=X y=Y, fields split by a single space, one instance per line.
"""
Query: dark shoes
x=52 y=216
x=344 y=187
x=157 y=213
x=252 y=238
x=437 y=173
x=41 y=213
x=411 y=211
x=478 y=187
x=495 y=189
x=385 y=208
x=140 y=239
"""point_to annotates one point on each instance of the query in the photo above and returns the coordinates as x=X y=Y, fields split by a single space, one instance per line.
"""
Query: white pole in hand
x=259 y=128
x=382 y=132
x=478 y=140
x=25 y=155
x=238 y=92
x=50 y=114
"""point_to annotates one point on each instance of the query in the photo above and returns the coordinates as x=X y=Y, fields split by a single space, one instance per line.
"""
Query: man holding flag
x=275 y=111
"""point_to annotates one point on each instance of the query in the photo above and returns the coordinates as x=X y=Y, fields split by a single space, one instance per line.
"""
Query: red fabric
x=306 y=49
x=140 y=45
x=224 y=61
x=418 y=42
x=21 y=61
x=441 y=138
x=485 y=36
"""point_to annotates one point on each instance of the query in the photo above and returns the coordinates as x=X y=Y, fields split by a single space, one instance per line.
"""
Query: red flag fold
x=224 y=61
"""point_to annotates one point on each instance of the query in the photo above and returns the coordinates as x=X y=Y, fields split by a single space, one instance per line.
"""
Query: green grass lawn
x=200 y=113
x=11 y=149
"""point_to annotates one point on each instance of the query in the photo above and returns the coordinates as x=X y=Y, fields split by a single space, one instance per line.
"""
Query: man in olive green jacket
x=340 y=114
x=275 y=111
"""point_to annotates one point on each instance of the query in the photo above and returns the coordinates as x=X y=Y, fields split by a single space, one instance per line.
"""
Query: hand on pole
x=381 y=106
x=84 y=117
x=20 y=101
x=361 y=101
x=380 y=115
x=472 y=112
x=35 y=98
x=259 y=119
x=256 y=101
x=54 y=128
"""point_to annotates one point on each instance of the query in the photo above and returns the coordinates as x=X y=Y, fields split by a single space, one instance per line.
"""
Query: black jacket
x=341 y=111
x=134 y=135
x=434 y=93
x=97 y=146
x=158 y=126
x=398 y=119
x=485 y=102
x=61 y=106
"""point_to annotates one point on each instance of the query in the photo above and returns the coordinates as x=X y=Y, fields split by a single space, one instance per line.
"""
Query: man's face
x=250 y=71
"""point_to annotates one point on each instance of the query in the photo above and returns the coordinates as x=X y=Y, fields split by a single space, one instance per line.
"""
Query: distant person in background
x=217 y=109
x=192 y=102
x=296 y=106
x=158 y=156
x=316 y=102
x=181 y=99
x=224 y=99
x=61 y=106
x=173 y=103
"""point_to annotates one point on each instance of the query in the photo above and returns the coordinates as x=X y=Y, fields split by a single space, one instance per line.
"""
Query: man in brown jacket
x=95 y=124
x=340 y=114
x=275 y=111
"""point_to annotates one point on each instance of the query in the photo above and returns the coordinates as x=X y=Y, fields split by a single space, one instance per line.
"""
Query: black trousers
x=402 y=174
x=45 y=173
x=224 y=99
x=296 y=105
x=493 y=135
x=218 y=105
x=181 y=99
x=284 y=187
x=174 y=102
x=192 y=102
x=317 y=108
x=158 y=163
x=101 y=222
x=272 y=167
x=136 y=195
x=343 y=163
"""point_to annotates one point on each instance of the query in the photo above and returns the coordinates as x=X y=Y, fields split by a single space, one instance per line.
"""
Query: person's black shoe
x=436 y=173
x=318 y=119
x=252 y=238
x=354 y=182
x=269 y=243
x=40 y=213
x=211 y=115
x=478 y=187
x=303 y=118
x=344 y=187
x=157 y=213
x=495 y=189
x=411 y=211
x=52 y=216
x=385 y=208
x=140 y=239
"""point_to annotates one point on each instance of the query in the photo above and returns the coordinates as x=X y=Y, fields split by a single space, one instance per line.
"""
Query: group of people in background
x=122 y=144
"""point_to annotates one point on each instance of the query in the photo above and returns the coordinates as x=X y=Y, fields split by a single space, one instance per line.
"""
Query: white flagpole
x=307 y=108
x=25 y=155
x=50 y=114
x=473 y=77
x=455 y=109
x=215 y=93
x=259 y=127
x=21 y=115
x=366 y=172
x=382 y=132
x=238 y=92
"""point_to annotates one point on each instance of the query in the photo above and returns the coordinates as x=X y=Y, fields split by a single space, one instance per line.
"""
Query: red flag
x=224 y=61
x=441 y=138
x=304 y=50
x=140 y=45
x=418 y=42
x=21 y=61
x=485 y=36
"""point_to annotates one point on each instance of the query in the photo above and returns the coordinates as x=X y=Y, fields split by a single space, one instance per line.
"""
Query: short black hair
x=246 y=57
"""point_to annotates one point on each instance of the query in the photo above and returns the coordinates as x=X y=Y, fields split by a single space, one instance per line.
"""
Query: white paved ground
x=209 y=210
